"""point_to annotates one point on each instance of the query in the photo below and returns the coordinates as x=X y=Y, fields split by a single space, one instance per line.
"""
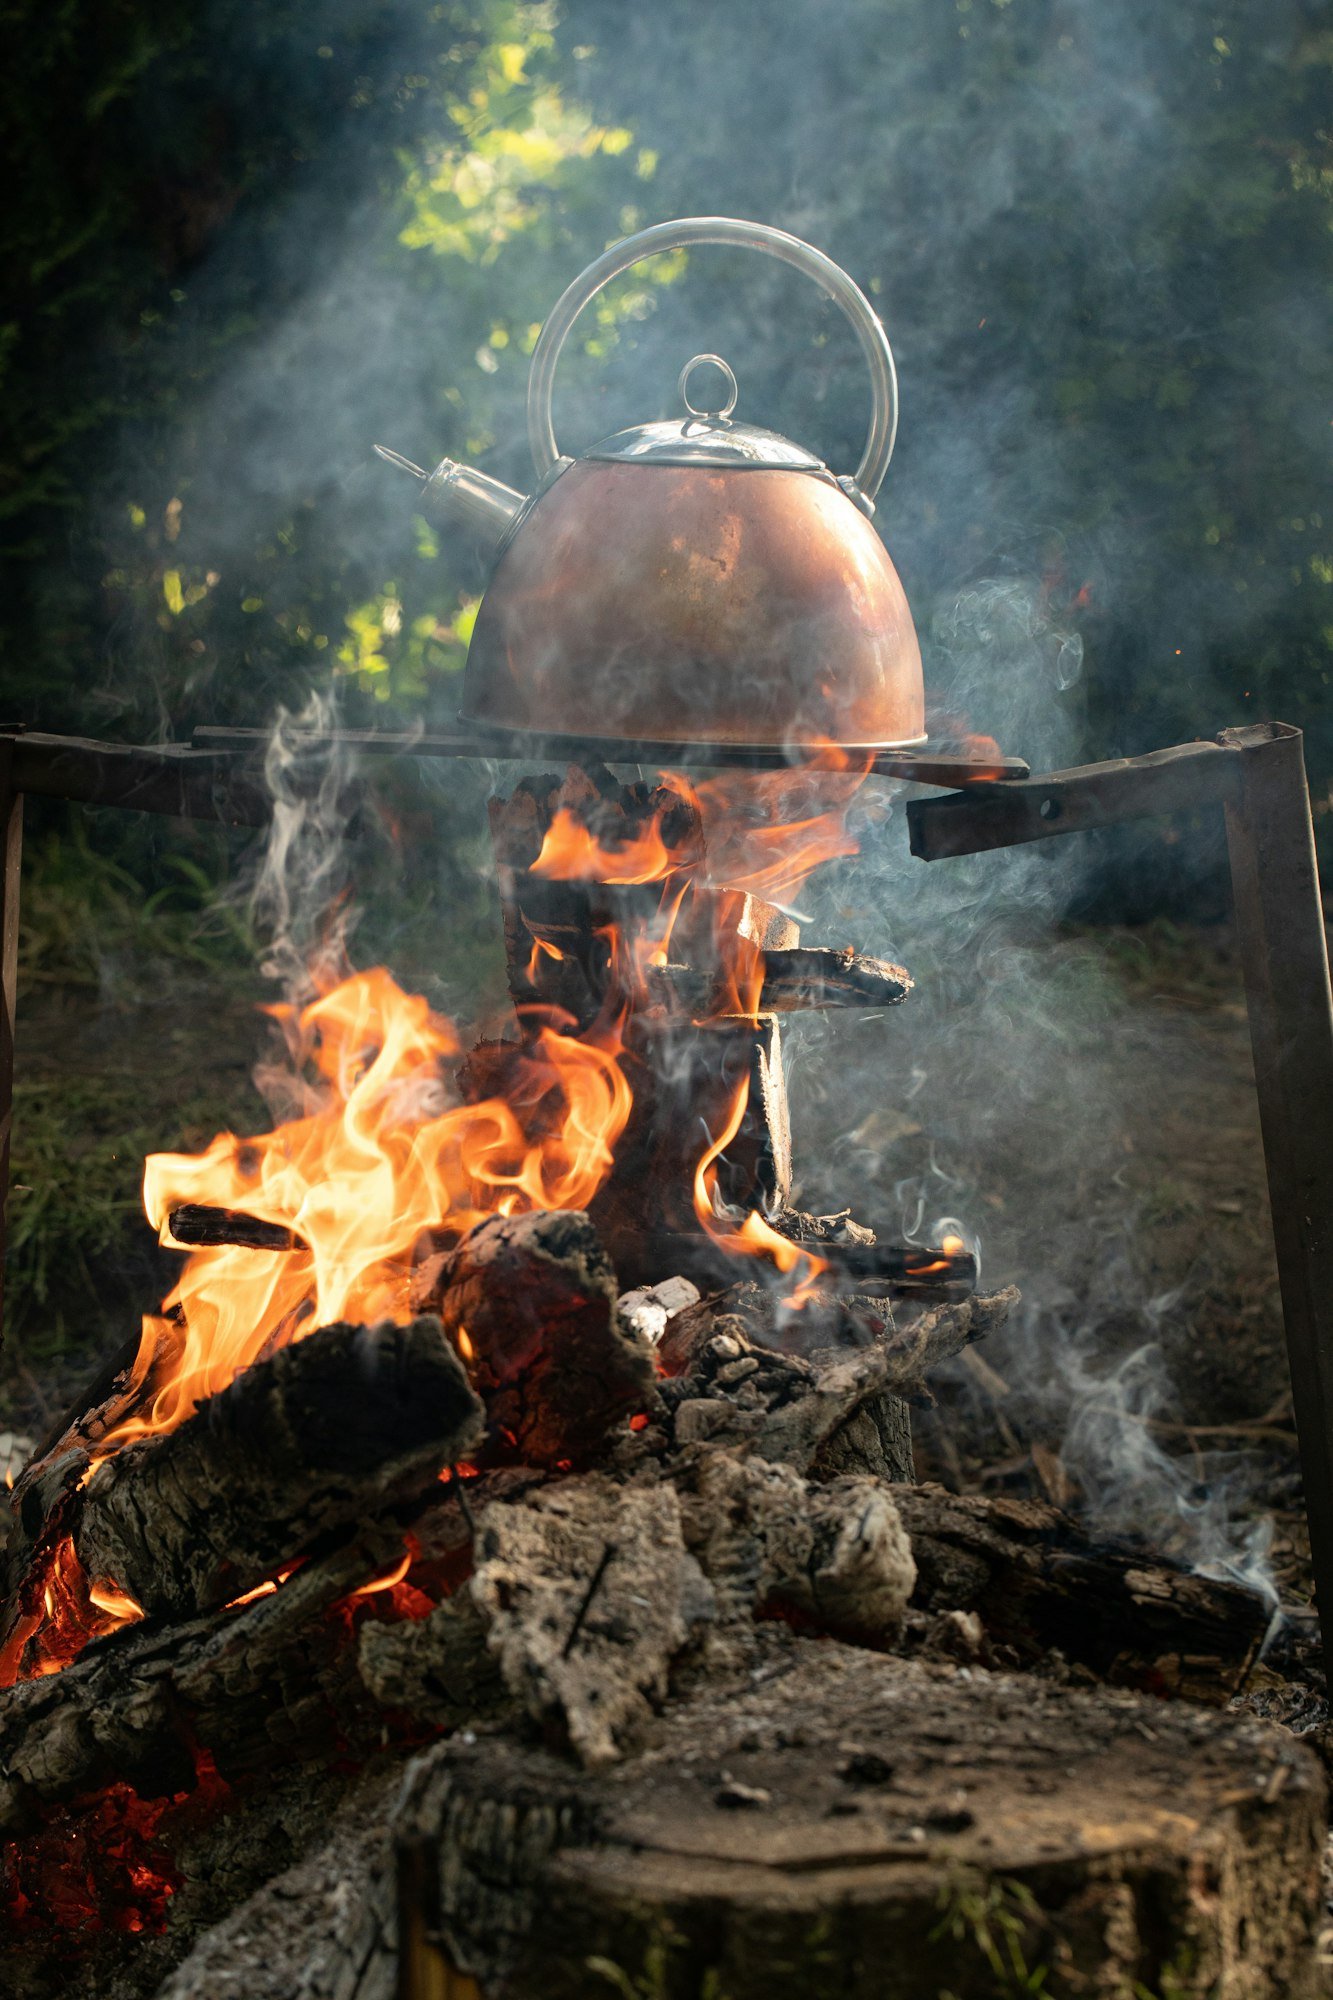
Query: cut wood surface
x=848 y=1827
x=322 y=1435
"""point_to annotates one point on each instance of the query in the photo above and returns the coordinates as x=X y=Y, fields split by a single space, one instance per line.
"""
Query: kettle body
x=695 y=581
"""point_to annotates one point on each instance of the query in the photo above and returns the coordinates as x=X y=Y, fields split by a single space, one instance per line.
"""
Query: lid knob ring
x=862 y=485
x=715 y=412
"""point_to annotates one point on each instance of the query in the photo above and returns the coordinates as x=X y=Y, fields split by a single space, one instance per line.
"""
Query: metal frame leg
x=11 y=851
x=1280 y=928
x=1257 y=775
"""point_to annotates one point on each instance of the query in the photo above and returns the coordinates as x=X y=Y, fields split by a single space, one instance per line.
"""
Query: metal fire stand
x=1256 y=774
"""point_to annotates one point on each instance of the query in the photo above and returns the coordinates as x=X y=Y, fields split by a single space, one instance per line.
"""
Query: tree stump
x=842 y=1826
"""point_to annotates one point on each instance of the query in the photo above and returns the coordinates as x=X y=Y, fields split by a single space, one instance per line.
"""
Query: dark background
x=241 y=243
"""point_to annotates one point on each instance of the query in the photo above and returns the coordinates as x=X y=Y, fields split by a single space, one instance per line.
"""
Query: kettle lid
x=706 y=435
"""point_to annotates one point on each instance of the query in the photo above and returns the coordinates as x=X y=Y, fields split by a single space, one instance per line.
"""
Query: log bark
x=844 y=1827
x=320 y=1436
x=1039 y=1581
x=531 y=1301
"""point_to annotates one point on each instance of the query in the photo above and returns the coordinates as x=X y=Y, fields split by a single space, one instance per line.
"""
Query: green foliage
x=996 y=1919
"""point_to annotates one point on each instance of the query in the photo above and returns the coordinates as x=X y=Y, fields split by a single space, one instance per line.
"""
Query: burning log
x=793 y=980
x=320 y=1436
x=288 y=1677
x=530 y=1301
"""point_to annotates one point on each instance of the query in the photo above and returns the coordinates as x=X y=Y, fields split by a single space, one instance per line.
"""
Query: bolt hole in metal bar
x=1257 y=776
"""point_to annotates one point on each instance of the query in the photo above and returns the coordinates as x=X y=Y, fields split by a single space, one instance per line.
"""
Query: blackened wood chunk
x=531 y=1302
x=311 y=1440
x=196 y=1225
x=1039 y=1581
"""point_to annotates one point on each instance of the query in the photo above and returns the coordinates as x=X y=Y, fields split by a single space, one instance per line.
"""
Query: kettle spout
x=454 y=492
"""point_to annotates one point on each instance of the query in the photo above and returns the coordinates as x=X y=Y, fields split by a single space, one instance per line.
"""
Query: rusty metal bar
x=923 y=767
x=172 y=778
x=1257 y=774
x=11 y=851
x=1008 y=813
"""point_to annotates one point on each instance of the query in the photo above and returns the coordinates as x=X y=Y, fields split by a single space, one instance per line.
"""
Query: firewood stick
x=806 y=977
x=200 y=1227
x=1038 y=1580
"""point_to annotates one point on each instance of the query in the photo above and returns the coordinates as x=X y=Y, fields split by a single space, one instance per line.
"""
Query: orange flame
x=382 y=1156
x=118 y=1604
x=753 y=1236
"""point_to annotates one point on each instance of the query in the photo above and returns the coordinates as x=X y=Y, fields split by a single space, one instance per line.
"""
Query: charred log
x=1038 y=1581
x=793 y=980
x=530 y=1300
x=200 y=1227
x=320 y=1436
x=279 y=1680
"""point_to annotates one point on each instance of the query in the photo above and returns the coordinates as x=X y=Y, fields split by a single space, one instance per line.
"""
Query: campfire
x=497 y=1568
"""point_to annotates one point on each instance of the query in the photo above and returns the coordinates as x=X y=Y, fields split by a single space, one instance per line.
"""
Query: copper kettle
x=695 y=581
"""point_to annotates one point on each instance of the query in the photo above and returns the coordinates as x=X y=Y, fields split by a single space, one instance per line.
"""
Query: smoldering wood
x=589 y=1594
x=319 y=1436
x=834 y=1557
x=1039 y=1582
x=559 y=963
x=727 y=1386
x=793 y=980
x=531 y=1301
x=326 y=1926
x=872 y=1270
x=910 y=1343
x=46 y=1490
x=270 y=1682
x=684 y=1083
x=273 y=1682
x=827 y=1822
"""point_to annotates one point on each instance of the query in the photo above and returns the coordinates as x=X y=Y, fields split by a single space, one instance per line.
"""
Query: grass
x=87 y=920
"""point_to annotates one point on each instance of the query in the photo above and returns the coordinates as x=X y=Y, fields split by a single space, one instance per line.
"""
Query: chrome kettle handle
x=865 y=482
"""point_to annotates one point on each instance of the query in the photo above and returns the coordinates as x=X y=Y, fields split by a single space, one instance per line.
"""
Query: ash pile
x=562 y=1640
